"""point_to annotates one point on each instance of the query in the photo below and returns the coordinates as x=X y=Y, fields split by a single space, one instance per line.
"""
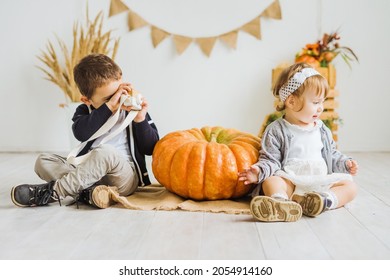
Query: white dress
x=305 y=166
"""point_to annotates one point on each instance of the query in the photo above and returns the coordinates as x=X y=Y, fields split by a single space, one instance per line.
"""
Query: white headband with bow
x=295 y=82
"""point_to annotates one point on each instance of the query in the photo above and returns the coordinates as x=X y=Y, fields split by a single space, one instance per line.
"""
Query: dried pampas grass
x=86 y=40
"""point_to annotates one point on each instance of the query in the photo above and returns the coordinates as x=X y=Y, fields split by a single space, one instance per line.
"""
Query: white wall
x=231 y=88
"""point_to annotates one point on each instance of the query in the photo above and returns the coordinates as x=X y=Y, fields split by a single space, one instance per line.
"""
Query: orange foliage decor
x=203 y=164
x=321 y=53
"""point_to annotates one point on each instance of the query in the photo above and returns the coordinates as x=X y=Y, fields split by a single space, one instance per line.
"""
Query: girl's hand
x=352 y=167
x=249 y=175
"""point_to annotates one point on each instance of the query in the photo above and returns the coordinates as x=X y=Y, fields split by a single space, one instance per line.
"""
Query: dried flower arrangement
x=86 y=40
x=321 y=53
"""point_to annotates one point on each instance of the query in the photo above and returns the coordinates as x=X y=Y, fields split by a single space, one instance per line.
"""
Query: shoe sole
x=268 y=209
x=13 y=198
x=312 y=203
x=101 y=197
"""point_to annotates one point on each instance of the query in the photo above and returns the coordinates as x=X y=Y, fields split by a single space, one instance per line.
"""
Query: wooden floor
x=359 y=231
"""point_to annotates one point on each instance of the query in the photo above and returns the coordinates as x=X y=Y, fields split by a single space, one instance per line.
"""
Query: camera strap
x=76 y=160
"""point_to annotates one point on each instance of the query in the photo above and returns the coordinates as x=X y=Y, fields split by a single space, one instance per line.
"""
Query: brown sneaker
x=268 y=209
x=312 y=203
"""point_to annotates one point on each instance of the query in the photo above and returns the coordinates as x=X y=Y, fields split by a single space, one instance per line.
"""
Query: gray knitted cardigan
x=275 y=146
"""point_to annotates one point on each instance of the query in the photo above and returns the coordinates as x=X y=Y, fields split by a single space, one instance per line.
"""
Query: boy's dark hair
x=93 y=71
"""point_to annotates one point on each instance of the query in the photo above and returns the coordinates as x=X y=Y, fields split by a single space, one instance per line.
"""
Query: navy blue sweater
x=141 y=137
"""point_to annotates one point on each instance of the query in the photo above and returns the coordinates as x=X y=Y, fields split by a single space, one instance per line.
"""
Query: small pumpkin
x=203 y=164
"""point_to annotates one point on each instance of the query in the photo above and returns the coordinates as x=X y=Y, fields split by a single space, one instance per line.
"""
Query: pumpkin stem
x=213 y=137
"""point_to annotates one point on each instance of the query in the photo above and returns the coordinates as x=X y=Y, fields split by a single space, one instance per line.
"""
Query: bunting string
x=206 y=44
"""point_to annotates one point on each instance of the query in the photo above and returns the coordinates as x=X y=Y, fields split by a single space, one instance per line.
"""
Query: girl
x=299 y=169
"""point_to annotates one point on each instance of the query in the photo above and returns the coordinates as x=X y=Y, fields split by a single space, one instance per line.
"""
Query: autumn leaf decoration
x=321 y=53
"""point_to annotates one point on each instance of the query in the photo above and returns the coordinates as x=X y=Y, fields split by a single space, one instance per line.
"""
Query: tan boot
x=312 y=203
x=268 y=209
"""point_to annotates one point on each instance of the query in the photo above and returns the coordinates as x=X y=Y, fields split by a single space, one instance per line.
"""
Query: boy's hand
x=249 y=175
x=142 y=113
x=352 y=167
x=114 y=101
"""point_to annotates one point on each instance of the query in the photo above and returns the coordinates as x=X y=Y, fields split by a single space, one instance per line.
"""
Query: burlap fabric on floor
x=156 y=197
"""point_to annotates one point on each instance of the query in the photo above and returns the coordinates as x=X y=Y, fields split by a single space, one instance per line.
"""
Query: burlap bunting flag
x=134 y=21
x=230 y=38
x=253 y=28
x=273 y=11
x=117 y=7
x=181 y=43
x=158 y=35
x=206 y=44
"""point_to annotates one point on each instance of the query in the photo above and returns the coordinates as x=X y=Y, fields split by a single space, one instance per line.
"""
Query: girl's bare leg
x=277 y=185
x=345 y=191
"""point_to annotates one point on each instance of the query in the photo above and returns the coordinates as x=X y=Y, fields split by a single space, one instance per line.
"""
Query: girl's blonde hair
x=316 y=83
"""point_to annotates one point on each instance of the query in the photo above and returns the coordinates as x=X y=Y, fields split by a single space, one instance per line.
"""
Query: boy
x=120 y=162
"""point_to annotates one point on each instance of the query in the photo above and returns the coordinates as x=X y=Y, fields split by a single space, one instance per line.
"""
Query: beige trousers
x=105 y=166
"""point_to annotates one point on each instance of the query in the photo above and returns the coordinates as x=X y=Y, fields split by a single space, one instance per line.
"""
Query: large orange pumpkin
x=203 y=164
